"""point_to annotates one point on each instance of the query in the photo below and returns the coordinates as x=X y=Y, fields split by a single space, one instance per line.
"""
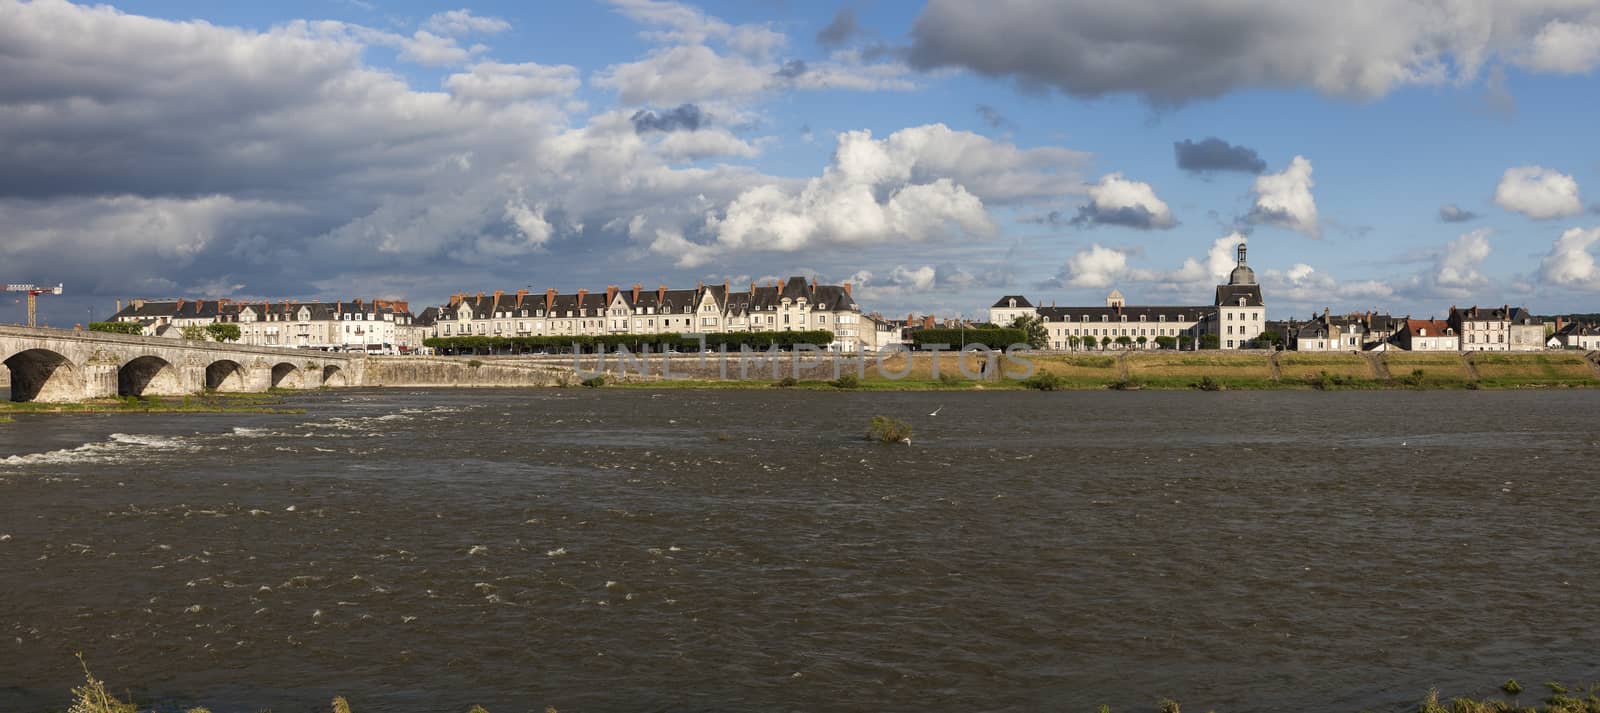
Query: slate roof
x=1114 y=315
x=1005 y=302
x=1230 y=294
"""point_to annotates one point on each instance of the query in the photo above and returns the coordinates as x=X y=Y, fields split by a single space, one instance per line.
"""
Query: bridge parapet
x=69 y=365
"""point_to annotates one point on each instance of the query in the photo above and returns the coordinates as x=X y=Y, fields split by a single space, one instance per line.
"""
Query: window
x=1230 y=343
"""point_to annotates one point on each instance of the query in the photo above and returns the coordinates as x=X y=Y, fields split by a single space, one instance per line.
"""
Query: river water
x=623 y=550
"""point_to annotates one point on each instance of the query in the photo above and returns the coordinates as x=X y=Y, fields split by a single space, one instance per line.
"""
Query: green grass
x=1516 y=370
x=1301 y=366
x=885 y=429
x=200 y=403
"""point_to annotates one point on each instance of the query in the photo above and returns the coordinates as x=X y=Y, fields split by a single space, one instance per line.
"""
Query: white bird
x=937 y=410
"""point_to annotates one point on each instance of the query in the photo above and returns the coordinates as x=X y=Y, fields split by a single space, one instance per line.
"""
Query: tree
x=1105 y=343
x=1072 y=343
x=1142 y=340
x=1210 y=341
x=1033 y=329
x=1124 y=341
x=117 y=327
x=1166 y=342
x=1185 y=340
x=1271 y=337
x=194 y=332
x=224 y=332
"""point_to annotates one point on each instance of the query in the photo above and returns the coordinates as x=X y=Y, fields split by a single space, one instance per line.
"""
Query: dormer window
x=1241 y=301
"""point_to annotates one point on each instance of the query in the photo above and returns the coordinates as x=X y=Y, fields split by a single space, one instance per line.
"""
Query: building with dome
x=1236 y=317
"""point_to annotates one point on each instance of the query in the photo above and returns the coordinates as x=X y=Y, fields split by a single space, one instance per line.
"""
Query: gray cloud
x=1174 y=51
x=1129 y=216
x=840 y=30
x=1452 y=213
x=993 y=117
x=1214 y=154
x=792 y=69
x=686 y=117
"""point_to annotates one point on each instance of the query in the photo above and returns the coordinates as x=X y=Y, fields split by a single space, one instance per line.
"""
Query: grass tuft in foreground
x=884 y=429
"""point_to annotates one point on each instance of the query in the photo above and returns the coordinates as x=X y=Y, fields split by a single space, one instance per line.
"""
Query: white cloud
x=1459 y=266
x=686 y=73
x=1571 y=261
x=456 y=23
x=494 y=81
x=685 y=146
x=1096 y=266
x=1114 y=200
x=1304 y=286
x=1538 y=193
x=1284 y=199
x=535 y=230
x=1566 y=47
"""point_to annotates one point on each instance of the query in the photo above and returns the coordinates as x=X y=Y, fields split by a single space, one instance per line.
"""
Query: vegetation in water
x=1045 y=381
x=846 y=381
x=594 y=382
x=1207 y=383
x=885 y=429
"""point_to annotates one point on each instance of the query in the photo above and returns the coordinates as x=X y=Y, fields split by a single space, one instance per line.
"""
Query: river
x=629 y=550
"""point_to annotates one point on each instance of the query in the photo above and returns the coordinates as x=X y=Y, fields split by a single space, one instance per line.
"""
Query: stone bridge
x=57 y=365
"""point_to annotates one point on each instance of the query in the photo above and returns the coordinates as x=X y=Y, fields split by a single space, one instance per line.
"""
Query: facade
x=1497 y=329
x=1236 y=318
x=792 y=305
x=1427 y=335
x=1577 y=335
x=374 y=326
x=1362 y=331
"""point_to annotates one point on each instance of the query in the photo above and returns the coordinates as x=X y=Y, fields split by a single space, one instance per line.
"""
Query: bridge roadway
x=60 y=365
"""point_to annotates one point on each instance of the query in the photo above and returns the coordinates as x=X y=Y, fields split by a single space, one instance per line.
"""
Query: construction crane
x=33 y=296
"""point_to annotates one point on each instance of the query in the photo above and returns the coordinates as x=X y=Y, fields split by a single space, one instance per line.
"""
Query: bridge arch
x=225 y=375
x=287 y=376
x=333 y=376
x=149 y=376
x=44 y=375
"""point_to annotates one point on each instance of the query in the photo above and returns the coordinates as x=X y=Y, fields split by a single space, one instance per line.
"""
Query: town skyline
x=407 y=151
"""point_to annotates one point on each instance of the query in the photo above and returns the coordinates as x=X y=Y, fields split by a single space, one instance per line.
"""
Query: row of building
x=382 y=326
x=1236 y=319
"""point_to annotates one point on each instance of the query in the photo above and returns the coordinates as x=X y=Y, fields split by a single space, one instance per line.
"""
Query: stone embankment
x=463 y=372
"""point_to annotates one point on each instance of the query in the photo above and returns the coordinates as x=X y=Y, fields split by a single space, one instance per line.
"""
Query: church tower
x=1241 y=314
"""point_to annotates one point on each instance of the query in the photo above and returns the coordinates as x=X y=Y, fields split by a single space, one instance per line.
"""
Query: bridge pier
x=99 y=381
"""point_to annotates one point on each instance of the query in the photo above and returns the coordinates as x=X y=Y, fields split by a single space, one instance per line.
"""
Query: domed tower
x=1240 y=314
x=1242 y=274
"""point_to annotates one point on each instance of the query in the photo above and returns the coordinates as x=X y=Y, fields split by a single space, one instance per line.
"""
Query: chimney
x=847 y=291
x=119 y=305
x=752 y=289
x=581 y=295
x=813 y=284
x=661 y=294
x=522 y=296
x=699 y=286
x=549 y=300
x=611 y=293
x=636 y=287
x=724 y=289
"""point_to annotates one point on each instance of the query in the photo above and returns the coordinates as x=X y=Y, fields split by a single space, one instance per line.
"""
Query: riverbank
x=94 y=697
x=199 y=403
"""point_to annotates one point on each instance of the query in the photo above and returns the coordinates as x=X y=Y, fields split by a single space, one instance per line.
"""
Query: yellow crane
x=33 y=295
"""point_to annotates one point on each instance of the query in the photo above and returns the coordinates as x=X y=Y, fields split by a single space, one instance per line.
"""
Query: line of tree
x=636 y=343
x=117 y=327
x=992 y=337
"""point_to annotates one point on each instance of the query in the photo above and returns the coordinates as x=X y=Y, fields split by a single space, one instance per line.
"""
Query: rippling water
x=749 y=551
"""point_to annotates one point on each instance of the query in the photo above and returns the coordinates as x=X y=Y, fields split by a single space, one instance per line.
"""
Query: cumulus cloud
x=1174 y=51
x=1459 y=266
x=703 y=58
x=1214 y=154
x=495 y=81
x=1303 y=285
x=1096 y=266
x=1114 y=200
x=1571 y=261
x=457 y=23
x=1284 y=199
x=1452 y=213
x=1538 y=193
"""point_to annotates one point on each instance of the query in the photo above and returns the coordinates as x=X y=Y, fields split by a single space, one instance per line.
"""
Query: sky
x=1402 y=155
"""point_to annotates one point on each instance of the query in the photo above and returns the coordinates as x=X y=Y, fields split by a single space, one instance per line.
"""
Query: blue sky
x=411 y=150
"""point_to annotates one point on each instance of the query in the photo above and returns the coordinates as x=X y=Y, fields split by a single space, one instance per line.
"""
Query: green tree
x=1184 y=341
x=1036 y=334
x=117 y=327
x=224 y=332
x=1105 y=343
x=1272 y=338
x=1166 y=342
x=1124 y=341
x=1142 y=340
x=1210 y=341
x=194 y=332
x=1072 y=343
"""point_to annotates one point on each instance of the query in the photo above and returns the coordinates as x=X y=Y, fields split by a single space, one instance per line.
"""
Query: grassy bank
x=1209 y=371
x=199 y=403
x=94 y=697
